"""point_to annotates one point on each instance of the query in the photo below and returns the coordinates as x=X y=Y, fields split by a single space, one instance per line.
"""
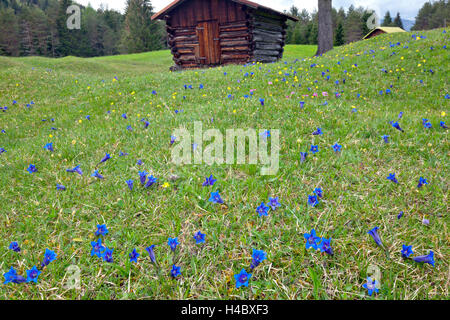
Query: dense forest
x=433 y=15
x=351 y=25
x=38 y=27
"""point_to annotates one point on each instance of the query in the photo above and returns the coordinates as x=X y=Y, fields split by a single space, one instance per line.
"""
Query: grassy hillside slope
x=352 y=93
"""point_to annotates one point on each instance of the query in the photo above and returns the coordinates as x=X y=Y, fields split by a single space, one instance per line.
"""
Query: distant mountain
x=407 y=24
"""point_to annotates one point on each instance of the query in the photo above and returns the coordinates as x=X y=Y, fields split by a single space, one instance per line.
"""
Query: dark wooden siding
x=212 y=32
x=268 y=36
x=375 y=33
x=187 y=36
x=194 y=11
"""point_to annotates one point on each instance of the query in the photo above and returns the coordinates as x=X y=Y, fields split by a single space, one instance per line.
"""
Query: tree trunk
x=325 y=38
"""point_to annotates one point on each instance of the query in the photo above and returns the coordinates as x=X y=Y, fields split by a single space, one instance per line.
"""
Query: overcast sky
x=408 y=8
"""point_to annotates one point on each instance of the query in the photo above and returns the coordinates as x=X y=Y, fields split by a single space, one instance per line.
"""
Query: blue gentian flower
x=261 y=100
x=130 y=184
x=199 y=237
x=2 y=150
x=49 y=147
x=257 y=257
x=122 y=154
x=422 y=182
x=314 y=149
x=318 y=192
x=151 y=253
x=273 y=203
x=77 y=169
x=406 y=251
x=107 y=255
x=97 y=248
x=139 y=162
x=33 y=274
x=209 y=181
x=175 y=272
x=427 y=125
x=101 y=230
x=60 y=187
x=429 y=258
x=400 y=115
x=265 y=134
x=105 y=158
x=97 y=175
x=49 y=256
x=124 y=115
x=32 y=168
x=151 y=180
x=312 y=241
x=262 y=209
x=396 y=125
x=317 y=132
x=215 y=197
x=400 y=215
x=303 y=156
x=374 y=233
x=392 y=177
x=371 y=286
x=442 y=124
x=134 y=255
x=325 y=246
x=142 y=177
x=14 y=246
x=242 y=278
x=172 y=139
x=172 y=243
x=386 y=138
x=337 y=147
x=129 y=128
x=312 y=200
x=12 y=277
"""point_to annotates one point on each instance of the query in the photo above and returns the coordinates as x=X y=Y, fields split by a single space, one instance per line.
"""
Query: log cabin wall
x=205 y=33
x=186 y=26
x=268 y=36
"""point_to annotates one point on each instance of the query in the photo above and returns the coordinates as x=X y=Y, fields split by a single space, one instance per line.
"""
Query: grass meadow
x=352 y=93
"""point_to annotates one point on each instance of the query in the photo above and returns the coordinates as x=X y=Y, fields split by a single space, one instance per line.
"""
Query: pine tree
x=339 y=38
x=140 y=32
x=387 y=21
x=398 y=21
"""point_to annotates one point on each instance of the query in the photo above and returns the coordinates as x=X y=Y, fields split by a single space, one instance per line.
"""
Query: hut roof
x=386 y=30
x=254 y=5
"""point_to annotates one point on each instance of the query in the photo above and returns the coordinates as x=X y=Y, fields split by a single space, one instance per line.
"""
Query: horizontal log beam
x=234 y=43
x=268 y=39
x=268 y=26
x=265 y=58
x=234 y=56
x=274 y=53
x=267 y=46
x=235 y=49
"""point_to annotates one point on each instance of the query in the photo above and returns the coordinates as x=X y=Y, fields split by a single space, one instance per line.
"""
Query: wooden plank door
x=209 y=43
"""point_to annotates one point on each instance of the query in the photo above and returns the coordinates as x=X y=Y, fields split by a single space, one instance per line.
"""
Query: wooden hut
x=381 y=30
x=204 y=33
